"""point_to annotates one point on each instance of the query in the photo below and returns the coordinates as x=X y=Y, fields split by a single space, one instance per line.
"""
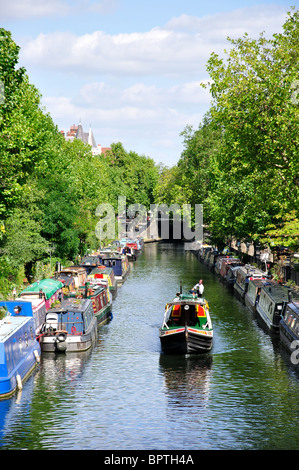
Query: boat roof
x=48 y=286
x=10 y=325
x=102 y=269
x=258 y=282
x=71 y=304
x=183 y=299
x=279 y=293
x=294 y=306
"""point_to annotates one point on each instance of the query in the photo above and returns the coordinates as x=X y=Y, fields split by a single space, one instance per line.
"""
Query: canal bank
x=125 y=394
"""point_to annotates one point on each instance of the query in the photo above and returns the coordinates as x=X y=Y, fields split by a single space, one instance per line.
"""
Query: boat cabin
x=271 y=304
x=243 y=276
x=253 y=292
x=225 y=263
x=48 y=289
x=35 y=308
x=185 y=312
x=289 y=325
x=72 y=316
x=75 y=272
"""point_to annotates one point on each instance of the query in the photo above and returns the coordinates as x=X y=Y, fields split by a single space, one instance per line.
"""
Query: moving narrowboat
x=271 y=304
x=101 y=300
x=243 y=275
x=106 y=274
x=48 y=289
x=187 y=326
x=19 y=348
x=71 y=326
x=289 y=326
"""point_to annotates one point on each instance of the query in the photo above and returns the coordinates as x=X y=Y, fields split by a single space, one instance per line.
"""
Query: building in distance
x=77 y=132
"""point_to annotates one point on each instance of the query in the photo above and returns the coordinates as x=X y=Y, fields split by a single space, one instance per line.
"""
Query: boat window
x=176 y=311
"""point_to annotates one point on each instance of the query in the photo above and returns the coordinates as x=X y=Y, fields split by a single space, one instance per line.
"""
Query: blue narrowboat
x=35 y=308
x=19 y=348
x=119 y=263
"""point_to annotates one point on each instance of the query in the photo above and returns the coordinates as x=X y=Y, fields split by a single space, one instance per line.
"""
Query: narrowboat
x=289 y=326
x=271 y=304
x=71 y=326
x=243 y=275
x=227 y=263
x=101 y=300
x=130 y=249
x=187 y=326
x=67 y=281
x=119 y=263
x=212 y=260
x=231 y=276
x=106 y=274
x=207 y=256
x=76 y=273
x=203 y=251
x=90 y=262
x=49 y=289
x=35 y=308
x=19 y=349
x=253 y=292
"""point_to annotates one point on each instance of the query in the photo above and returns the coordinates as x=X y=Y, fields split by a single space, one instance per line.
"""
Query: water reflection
x=186 y=379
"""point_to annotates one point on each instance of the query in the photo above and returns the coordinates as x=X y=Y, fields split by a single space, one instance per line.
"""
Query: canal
x=124 y=394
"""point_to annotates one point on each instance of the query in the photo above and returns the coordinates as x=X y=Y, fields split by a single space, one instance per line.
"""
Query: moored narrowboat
x=106 y=274
x=101 y=300
x=49 y=289
x=19 y=349
x=130 y=250
x=187 y=326
x=77 y=274
x=271 y=304
x=119 y=263
x=289 y=326
x=71 y=326
x=253 y=292
x=243 y=275
x=28 y=307
x=225 y=264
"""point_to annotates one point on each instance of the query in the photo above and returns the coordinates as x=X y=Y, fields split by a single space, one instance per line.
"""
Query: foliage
x=50 y=188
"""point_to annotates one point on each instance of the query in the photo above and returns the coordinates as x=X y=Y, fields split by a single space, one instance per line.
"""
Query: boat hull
x=19 y=355
x=186 y=340
x=104 y=315
x=70 y=342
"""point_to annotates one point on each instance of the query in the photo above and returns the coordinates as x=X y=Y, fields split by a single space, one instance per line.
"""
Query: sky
x=131 y=70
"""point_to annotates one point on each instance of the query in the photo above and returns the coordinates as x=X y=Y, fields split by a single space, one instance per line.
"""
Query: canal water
x=125 y=394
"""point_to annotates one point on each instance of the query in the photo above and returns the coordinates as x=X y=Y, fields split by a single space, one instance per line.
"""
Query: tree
x=253 y=102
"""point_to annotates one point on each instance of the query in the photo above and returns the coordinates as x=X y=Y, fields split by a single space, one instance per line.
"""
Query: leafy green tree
x=258 y=159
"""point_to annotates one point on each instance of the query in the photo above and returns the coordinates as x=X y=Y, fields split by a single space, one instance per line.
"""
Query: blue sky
x=131 y=69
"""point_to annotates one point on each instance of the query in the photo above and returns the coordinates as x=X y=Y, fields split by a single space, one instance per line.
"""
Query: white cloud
x=181 y=47
x=24 y=9
x=158 y=51
x=141 y=89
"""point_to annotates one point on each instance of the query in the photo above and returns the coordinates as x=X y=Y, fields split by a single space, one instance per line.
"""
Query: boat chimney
x=181 y=289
